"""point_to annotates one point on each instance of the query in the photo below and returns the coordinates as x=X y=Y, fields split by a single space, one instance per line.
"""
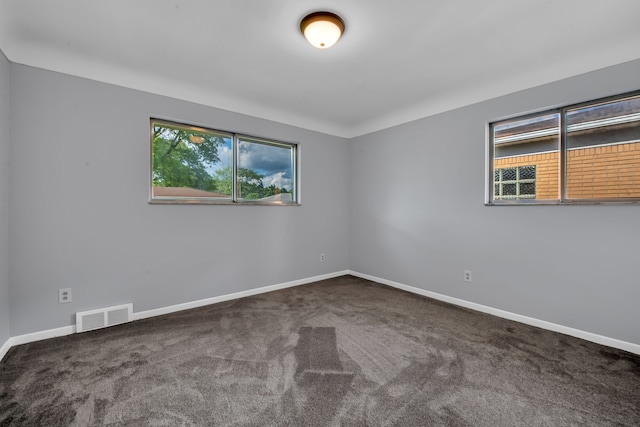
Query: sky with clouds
x=273 y=162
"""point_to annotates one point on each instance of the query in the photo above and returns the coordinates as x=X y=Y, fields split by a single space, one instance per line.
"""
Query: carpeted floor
x=344 y=352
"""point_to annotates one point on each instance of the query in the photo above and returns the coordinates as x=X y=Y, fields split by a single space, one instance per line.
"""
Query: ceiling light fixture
x=322 y=29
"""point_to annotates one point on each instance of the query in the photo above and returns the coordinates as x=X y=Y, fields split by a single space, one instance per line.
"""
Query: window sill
x=187 y=201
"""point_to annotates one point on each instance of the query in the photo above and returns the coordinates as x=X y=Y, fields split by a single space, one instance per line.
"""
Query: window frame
x=562 y=157
x=233 y=199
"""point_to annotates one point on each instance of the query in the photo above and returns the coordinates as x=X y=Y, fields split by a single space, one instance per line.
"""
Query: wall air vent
x=103 y=317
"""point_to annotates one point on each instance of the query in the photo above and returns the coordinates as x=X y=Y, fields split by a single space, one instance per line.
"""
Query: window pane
x=266 y=171
x=528 y=188
x=508 y=189
x=527 y=172
x=603 y=150
x=509 y=174
x=190 y=162
x=530 y=146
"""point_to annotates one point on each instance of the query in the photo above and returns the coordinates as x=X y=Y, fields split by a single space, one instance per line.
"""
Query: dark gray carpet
x=342 y=352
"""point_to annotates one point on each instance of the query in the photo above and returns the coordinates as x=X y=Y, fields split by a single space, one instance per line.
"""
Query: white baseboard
x=35 y=336
x=68 y=330
x=228 y=297
x=5 y=348
x=43 y=335
x=599 y=339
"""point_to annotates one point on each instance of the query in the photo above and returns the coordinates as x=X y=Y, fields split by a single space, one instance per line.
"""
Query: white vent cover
x=103 y=317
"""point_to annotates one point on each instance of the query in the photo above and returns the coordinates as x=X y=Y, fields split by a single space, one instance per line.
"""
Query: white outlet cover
x=64 y=296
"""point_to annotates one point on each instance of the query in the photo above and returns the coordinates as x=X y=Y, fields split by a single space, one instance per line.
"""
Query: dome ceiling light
x=322 y=29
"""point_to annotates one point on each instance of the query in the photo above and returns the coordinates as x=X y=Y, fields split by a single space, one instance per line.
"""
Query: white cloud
x=274 y=163
x=279 y=180
x=225 y=154
x=265 y=159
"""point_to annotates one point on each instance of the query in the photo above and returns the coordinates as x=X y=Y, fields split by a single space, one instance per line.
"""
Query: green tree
x=182 y=157
x=224 y=180
x=249 y=181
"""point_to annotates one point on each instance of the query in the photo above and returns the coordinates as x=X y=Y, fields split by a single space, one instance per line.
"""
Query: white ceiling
x=397 y=61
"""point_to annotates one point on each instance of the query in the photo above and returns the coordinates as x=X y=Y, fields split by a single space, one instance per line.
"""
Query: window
x=582 y=153
x=192 y=164
x=515 y=183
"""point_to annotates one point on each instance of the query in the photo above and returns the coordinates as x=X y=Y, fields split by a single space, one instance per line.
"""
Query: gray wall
x=413 y=212
x=4 y=199
x=418 y=217
x=80 y=217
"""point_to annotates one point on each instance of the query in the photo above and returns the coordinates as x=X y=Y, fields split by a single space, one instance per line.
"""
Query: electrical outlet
x=64 y=295
x=322 y=257
x=467 y=276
